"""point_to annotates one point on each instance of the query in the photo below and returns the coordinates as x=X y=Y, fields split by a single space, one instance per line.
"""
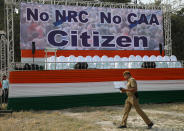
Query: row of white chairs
x=105 y=62
x=112 y=65
x=106 y=58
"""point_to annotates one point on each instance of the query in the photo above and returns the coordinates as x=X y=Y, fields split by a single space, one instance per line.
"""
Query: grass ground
x=167 y=117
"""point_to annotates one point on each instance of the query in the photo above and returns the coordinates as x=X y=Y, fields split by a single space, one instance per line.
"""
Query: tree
x=17 y=37
x=177 y=32
x=2 y=15
x=116 y=1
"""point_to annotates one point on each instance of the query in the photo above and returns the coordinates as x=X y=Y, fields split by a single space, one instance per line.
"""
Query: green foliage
x=1 y=14
x=177 y=29
x=157 y=2
x=116 y=1
x=17 y=37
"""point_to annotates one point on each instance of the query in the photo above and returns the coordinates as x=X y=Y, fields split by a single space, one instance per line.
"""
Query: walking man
x=132 y=100
x=5 y=90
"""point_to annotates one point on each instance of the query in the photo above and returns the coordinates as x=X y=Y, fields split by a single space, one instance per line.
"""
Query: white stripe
x=47 y=89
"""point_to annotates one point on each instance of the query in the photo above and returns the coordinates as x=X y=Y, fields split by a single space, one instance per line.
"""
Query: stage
x=111 y=39
x=65 y=88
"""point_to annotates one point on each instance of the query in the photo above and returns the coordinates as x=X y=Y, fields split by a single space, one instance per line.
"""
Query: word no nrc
x=104 y=41
x=73 y=16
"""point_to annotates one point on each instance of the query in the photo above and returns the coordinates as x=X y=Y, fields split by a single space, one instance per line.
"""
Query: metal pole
x=55 y=59
x=33 y=58
x=46 y=59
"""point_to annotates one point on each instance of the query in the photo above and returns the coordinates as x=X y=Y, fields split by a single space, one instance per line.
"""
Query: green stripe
x=106 y=99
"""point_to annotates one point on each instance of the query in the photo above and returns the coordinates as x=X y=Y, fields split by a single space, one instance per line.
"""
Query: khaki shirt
x=131 y=84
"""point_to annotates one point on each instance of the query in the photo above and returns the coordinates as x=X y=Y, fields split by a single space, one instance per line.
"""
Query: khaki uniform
x=133 y=101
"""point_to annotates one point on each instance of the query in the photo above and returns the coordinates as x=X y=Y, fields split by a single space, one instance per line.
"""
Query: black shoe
x=150 y=125
x=122 y=126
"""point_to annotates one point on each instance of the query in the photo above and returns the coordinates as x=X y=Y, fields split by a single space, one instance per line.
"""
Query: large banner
x=90 y=28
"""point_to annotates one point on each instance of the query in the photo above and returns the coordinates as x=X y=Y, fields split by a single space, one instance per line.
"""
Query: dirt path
x=166 y=117
x=163 y=120
x=172 y=113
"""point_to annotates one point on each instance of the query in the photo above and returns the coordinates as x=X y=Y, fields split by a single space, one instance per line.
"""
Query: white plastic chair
x=47 y=65
x=57 y=59
x=117 y=62
x=131 y=57
x=171 y=64
x=153 y=58
x=97 y=60
x=166 y=58
x=117 y=57
x=173 y=58
x=104 y=60
x=111 y=63
x=159 y=58
x=161 y=63
x=51 y=59
x=89 y=60
x=124 y=62
x=132 y=62
x=51 y=63
x=61 y=65
x=65 y=63
x=138 y=58
x=80 y=59
x=53 y=66
x=58 y=67
x=72 y=61
x=71 y=58
x=124 y=59
x=110 y=59
x=146 y=58
x=174 y=64
x=178 y=64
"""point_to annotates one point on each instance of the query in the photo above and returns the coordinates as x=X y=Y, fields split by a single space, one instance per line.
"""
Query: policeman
x=132 y=100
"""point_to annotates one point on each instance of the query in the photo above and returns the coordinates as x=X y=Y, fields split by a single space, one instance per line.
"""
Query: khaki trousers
x=133 y=101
